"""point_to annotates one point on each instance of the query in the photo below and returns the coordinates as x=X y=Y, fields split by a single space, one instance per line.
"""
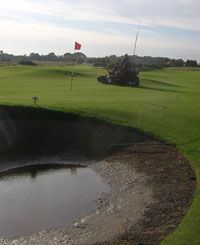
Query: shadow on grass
x=160 y=89
x=62 y=72
x=161 y=83
x=69 y=73
x=145 y=87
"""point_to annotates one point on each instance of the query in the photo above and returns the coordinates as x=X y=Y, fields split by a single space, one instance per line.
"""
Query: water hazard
x=46 y=196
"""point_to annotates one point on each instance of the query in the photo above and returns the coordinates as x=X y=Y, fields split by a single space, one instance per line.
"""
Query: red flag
x=77 y=46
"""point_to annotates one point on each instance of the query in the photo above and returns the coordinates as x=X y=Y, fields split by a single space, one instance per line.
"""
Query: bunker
x=45 y=178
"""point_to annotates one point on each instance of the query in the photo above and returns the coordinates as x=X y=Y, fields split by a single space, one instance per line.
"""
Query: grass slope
x=173 y=93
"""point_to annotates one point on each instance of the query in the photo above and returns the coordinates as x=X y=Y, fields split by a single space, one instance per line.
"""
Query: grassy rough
x=177 y=92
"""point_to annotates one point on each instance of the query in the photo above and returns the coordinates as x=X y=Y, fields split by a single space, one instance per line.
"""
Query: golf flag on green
x=77 y=46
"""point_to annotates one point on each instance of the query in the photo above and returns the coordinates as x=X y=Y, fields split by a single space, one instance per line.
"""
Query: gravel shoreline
x=152 y=188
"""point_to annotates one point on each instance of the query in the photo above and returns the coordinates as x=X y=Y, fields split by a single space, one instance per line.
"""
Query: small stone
x=119 y=207
x=75 y=224
x=111 y=208
x=84 y=220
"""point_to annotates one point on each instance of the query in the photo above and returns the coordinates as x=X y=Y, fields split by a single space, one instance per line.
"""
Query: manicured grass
x=173 y=93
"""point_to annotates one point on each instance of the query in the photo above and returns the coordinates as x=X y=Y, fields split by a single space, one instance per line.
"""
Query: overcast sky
x=104 y=27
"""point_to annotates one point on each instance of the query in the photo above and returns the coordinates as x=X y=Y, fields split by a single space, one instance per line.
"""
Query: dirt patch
x=152 y=188
x=173 y=183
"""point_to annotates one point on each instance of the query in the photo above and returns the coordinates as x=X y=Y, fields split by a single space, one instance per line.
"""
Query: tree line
x=51 y=57
x=142 y=63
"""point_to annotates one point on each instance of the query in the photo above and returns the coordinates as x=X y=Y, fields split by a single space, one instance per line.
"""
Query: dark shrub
x=27 y=63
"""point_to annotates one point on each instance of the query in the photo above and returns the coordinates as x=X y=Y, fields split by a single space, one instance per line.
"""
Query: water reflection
x=46 y=196
x=34 y=170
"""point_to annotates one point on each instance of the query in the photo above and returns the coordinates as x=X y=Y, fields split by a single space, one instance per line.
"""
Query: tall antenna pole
x=139 y=28
x=135 y=45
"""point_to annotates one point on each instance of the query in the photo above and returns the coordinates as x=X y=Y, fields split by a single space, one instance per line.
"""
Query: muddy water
x=46 y=196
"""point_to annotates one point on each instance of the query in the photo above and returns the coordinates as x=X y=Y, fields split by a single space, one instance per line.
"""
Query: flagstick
x=76 y=47
x=72 y=70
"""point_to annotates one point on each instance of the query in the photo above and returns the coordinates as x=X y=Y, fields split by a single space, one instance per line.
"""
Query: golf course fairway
x=166 y=105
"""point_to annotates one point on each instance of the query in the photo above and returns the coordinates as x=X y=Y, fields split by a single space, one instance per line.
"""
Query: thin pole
x=139 y=27
x=72 y=77
x=137 y=35
x=135 y=45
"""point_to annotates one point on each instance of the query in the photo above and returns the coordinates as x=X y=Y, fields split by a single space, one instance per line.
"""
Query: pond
x=46 y=196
